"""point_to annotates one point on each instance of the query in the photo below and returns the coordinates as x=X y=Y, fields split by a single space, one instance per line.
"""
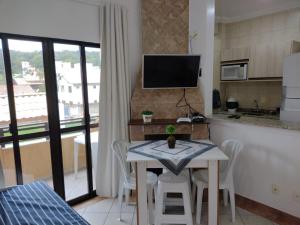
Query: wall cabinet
x=266 y=59
x=235 y=54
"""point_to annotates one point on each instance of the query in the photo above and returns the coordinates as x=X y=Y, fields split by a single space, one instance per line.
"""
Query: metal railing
x=42 y=126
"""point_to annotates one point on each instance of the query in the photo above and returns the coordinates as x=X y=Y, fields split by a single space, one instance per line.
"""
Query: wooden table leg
x=142 y=211
x=213 y=192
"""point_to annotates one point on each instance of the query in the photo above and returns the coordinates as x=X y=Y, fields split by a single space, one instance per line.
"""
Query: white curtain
x=114 y=94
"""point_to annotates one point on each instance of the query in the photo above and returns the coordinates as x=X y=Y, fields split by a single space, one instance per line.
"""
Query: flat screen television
x=171 y=71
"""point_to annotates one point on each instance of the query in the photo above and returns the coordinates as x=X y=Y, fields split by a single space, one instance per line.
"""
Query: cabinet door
x=226 y=55
x=235 y=54
x=240 y=53
x=275 y=57
x=258 y=61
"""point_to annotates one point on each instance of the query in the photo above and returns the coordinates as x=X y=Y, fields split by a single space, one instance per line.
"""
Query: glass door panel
x=4 y=108
x=7 y=165
x=36 y=160
x=93 y=72
x=69 y=85
x=94 y=136
x=29 y=85
x=93 y=80
x=74 y=161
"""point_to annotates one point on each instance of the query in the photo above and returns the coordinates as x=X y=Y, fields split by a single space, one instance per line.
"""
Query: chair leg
x=194 y=188
x=232 y=203
x=164 y=202
x=187 y=206
x=225 y=197
x=199 y=203
x=155 y=192
x=120 y=199
x=127 y=192
x=150 y=203
x=190 y=196
x=159 y=205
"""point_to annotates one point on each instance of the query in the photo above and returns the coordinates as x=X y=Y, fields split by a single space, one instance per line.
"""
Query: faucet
x=256 y=105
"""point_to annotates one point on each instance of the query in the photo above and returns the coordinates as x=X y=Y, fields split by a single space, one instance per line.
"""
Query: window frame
x=54 y=131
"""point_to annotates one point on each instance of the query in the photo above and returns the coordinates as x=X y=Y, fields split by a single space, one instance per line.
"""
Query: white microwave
x=234 y=71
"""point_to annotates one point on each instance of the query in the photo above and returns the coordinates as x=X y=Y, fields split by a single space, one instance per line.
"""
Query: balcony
x=36 y=161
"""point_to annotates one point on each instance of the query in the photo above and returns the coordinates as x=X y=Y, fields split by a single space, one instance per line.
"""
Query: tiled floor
x=75 y=186
x=105 y=212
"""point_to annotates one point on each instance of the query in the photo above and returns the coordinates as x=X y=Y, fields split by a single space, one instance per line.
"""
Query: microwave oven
x=234 y=71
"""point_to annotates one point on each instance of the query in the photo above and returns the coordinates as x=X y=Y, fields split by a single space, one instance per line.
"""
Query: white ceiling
x=236 y=10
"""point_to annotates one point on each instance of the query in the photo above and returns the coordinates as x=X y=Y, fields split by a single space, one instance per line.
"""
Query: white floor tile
x=227 y=220
x=134 y=219
x=244 y=212
x=225 y=210
x=256 y=220
x=80 y=211
x=95 y=218
x=106 y=212
x=113 y=219
x=101 y=207
x=125 y=208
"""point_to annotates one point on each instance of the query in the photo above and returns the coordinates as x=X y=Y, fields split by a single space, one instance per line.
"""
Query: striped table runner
x=36 y=204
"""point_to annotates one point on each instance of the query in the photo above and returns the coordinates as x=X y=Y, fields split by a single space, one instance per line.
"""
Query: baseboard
x=260 y=209
x=268 y=212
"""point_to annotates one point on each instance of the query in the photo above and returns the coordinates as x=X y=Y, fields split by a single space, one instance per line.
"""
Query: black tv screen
x=171 y=71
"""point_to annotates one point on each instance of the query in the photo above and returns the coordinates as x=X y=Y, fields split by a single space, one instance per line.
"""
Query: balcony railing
x=41 y=126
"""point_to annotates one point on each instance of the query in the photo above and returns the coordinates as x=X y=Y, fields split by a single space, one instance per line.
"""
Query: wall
x=164 y=30
x=217 y=57
x=266 y=93
x=271 y=156
x=68 y=19
x=272 y=34
x=58 y=19
x=202 y=21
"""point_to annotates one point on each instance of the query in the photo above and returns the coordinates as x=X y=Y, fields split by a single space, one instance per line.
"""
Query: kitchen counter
x=266 y=120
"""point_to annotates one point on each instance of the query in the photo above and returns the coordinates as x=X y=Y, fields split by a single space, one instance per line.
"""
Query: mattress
x=36 y=204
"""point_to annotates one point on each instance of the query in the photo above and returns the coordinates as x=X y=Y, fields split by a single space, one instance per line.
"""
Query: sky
x=31 y=46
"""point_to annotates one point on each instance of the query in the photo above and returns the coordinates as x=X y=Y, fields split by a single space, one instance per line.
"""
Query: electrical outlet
x=275 y=189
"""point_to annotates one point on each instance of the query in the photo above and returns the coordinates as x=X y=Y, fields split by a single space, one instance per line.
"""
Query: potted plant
x=170 y=130
x=147 y=116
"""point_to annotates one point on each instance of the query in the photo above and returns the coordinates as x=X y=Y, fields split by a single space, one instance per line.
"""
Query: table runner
x=36 y=204
x=174 y=159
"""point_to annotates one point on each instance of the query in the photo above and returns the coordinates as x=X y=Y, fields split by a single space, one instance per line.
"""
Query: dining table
x=143 y=155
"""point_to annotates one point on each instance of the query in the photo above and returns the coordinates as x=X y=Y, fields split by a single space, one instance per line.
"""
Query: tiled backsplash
x=267 y=94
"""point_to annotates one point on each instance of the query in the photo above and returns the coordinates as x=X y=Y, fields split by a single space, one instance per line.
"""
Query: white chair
x=128 y=179
x=170 y=183
x=80 y=140
x=200 y=178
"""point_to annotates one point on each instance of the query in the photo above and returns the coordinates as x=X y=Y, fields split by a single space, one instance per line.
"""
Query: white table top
x=213 y=154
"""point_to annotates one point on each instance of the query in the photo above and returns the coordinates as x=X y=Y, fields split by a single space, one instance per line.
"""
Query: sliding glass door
x=47 y=87
x=71 y=114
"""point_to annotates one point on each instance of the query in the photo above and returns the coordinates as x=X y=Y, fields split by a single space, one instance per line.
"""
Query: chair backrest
x=120 y=149
x=231 y=148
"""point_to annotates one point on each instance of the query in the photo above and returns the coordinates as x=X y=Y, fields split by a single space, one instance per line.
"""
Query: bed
x=36 y=204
